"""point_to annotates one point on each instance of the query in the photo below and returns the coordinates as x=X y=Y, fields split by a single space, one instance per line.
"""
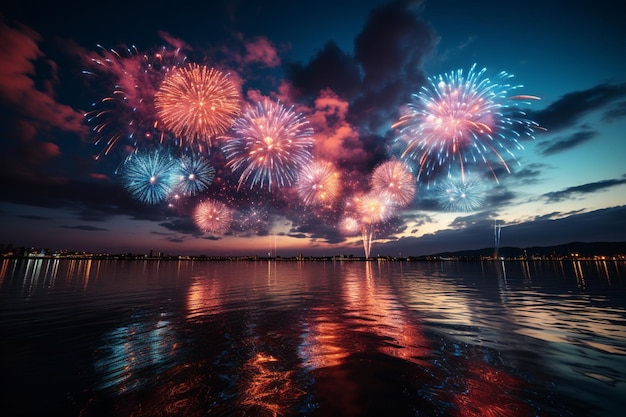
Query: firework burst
x=126 y=116
x=149 y=176
x=318 y=183
x=195 y=174
x=197 y=103
x=374 y=208
x=270 y=146
x=393 y=179
x=213 y=216
x=464 y=119
x=251 y=220
x=349 y=225
x=461 y=194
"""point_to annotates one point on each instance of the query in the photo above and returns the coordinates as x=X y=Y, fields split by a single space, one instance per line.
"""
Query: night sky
x=349 y=71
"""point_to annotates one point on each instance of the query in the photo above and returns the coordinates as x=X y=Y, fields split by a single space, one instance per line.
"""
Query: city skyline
x=350 y=81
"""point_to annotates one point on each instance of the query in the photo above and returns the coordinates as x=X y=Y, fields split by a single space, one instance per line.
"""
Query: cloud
x=86 y=228
x=384 y=71
x=391 y=50
x=605 y=225
x=33 y=217
x=336 y=140
x=560 y=145
x=27 y=82
x=30 y=115
x=567 y=111
x=261 y=50
x=618 y=111
x=530 y=174
x=331 y=69
x=579 y=190
x=181 y=225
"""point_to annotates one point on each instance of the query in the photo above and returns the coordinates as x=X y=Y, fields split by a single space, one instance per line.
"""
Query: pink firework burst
x=464 y=119
x=393 y=179
x=349 y=226
x=374 y=208
x=271 y=144
x=213 y=217
x=319 y=183
x=197 y=103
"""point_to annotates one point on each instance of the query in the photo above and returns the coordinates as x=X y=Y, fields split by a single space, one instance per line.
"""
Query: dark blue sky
x=348 y=69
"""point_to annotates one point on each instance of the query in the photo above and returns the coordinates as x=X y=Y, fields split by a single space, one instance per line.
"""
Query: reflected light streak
x=131 y=355
x=486 y=392
x=269 y=389
x=323 y=340
x=203 y=298
x=369 y=298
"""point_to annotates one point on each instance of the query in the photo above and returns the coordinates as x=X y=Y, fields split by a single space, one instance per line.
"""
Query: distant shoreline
x=309 y=258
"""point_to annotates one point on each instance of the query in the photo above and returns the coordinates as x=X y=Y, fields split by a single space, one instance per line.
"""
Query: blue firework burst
x=194 y=174
x=149 y=176
x=461 y=194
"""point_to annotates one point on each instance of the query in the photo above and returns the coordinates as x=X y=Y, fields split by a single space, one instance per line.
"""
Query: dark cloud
x=391 y=50
x=578 y=190
x=560 y=145
x=616 y=112
x=499 y=196
x=567 y=111
x=331 y=69
x=181 y=225
x=383 y=73
x=33 y=217
x=530 y=173
x=86 y=228
x=605 y=225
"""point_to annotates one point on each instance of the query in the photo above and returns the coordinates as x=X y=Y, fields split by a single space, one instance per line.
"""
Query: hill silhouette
x=583 y=249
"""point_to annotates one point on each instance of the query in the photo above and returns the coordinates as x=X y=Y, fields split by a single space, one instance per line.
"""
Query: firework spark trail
x=149 y=176
x=393 y=180
x=271 y=144
x=213 y=216
x=197 y=104
x=466 y=119
x=127 y=115
x=458 y=194
x=194 y=175
x=319 y=183
x=372 y=208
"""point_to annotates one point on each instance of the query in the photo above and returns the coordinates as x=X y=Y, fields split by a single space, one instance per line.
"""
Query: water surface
x=267 y=338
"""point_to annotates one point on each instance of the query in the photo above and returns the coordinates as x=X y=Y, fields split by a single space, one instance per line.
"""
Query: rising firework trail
x=459 y=119
x=496 y=232
x=149 y=176
x=197 y=103
x=270 y=146
x=373 y=208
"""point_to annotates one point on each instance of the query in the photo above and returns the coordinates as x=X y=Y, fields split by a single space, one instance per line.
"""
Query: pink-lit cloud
x=261 y=50
x=20 y=93
x=173 y=41
x=335 y=139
